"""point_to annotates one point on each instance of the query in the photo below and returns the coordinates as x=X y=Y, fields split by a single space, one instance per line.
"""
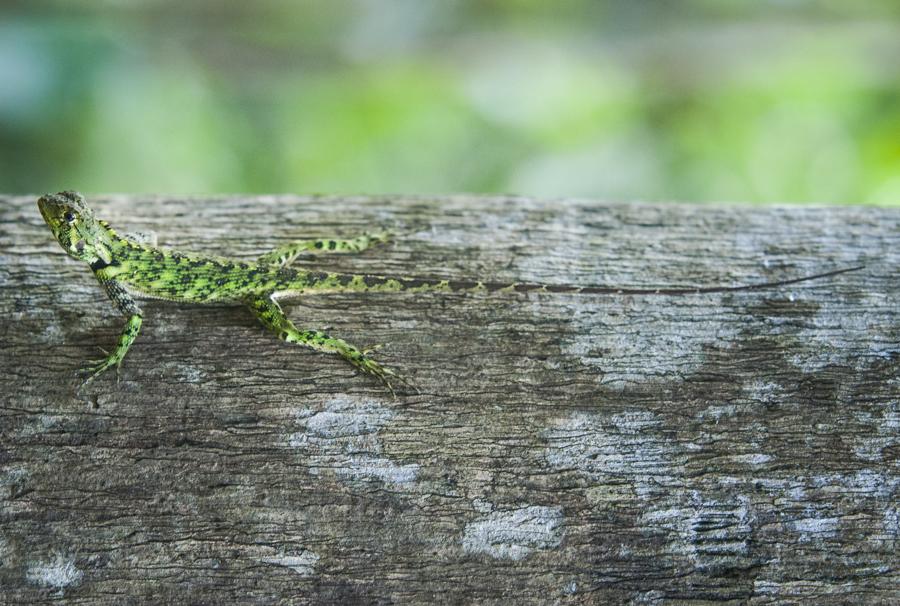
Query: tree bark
x=576 y=449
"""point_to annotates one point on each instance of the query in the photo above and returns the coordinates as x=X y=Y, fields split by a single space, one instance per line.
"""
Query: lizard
x=129 y=268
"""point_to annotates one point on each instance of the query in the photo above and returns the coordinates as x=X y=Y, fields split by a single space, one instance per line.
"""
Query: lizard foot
x=386 y=375
x=95 y=368
x=380 y=237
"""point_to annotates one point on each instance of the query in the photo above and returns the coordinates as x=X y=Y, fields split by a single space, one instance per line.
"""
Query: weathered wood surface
x=564 y=449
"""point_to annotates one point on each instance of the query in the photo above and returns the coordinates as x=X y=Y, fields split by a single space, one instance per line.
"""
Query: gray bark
x=567 y=449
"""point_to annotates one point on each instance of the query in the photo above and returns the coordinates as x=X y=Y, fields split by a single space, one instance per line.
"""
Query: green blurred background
x=704 y=100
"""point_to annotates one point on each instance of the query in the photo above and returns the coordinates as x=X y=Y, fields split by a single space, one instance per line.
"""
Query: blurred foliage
x=762 y=101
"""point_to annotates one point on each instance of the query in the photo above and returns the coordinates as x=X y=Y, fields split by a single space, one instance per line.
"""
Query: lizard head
x=74 y=226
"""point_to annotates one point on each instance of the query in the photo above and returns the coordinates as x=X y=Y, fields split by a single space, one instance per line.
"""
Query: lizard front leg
x=269 y=312
x=285 y=255
x=125 y=304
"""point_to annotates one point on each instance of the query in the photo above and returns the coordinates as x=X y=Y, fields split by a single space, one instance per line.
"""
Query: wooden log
x=739 y=447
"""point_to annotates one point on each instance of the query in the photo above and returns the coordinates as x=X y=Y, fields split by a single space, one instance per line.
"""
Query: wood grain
x=738 y=447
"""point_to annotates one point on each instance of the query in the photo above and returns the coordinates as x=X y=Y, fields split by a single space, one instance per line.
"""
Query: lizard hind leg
x=285 y=255
x=272 y=316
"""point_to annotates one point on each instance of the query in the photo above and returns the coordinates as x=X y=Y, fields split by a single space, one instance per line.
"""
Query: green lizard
x=128 y=268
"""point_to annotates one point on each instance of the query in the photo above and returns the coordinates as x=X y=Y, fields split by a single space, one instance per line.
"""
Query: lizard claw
x=386 y=375
x=92 y=371
x=372 y=349
x=381 y=237
x=406 y=383
x=95 y=368
x=369 y=239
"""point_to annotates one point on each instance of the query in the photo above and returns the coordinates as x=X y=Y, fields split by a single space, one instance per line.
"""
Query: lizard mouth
x=42 y=206
x=49 y=211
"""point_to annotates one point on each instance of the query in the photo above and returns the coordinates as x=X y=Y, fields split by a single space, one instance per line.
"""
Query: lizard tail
x=337 y=282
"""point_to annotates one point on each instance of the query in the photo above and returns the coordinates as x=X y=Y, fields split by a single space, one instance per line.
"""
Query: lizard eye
x=69 y=217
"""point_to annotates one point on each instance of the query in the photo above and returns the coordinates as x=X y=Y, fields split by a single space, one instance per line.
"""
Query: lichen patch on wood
x=515 y=533
x=343 y=438
x=303 y=564
x=605 y=333
x=625 y=447
x=58 y=573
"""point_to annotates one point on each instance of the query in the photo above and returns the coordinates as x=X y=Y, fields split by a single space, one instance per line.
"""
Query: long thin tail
x=336 y=282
